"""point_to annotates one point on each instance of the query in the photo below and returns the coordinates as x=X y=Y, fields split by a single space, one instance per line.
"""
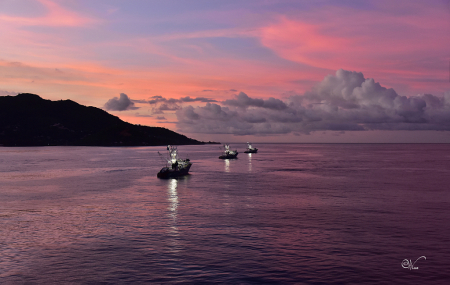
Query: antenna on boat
x=161 y=157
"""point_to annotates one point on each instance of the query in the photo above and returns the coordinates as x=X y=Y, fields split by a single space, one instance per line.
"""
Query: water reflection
x=173 y=207
x=173 y=198
x=249 y=162
x=227 y=165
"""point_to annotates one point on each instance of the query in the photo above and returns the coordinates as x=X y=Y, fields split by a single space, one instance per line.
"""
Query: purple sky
x=264 y=71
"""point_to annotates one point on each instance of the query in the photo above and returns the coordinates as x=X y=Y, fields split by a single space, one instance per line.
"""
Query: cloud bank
x=243 y=101
x=171 y=104
x=345 y=101
x=120 y=104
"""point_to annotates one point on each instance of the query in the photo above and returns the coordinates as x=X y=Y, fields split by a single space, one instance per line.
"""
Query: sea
x=289 y=214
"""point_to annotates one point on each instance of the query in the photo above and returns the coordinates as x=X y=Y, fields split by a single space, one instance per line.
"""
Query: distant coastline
x=29 y=120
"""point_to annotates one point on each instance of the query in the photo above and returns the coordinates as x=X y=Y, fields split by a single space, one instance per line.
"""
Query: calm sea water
x=292 y=213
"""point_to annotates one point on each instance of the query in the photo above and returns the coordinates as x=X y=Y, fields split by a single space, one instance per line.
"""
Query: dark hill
x=29 y=120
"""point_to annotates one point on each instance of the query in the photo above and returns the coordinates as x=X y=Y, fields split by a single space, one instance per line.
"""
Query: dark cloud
x=120 y=104
x=198 y=99
x=156 y=111
x=216 y=119
x=169 y=107
x=243 y=101
x=171 y=104
x=161 y=99
x=215 y=90
x=156 y=99
x=345 y=101
x=161 y=118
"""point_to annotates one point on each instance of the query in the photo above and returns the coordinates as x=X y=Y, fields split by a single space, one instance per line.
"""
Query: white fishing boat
x=250 y=149
x=175 y=166
x=228 y=154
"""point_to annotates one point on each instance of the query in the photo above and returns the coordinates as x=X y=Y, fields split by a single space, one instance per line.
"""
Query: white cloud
x=341 y=102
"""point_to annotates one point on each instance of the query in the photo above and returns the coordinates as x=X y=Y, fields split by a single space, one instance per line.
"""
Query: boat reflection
x=227 y=165
x=249 y=162
x=172 y=225
x=173 y=202
x=173 y=198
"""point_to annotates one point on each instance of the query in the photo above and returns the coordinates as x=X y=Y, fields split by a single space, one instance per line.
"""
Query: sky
x=237 y=71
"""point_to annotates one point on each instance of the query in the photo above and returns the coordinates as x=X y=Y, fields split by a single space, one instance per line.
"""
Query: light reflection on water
x=288 y=214
x=172 y=197
x=227 y=165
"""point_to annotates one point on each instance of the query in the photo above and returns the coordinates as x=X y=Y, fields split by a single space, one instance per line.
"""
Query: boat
x=250 y=149
x=228 y=154
x=176 y=166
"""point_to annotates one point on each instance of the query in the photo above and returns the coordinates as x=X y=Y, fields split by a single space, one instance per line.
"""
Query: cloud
x=156 y=99
x=219 y=90
x=7 y=93
x=243 y=101
x=372 y=37
x=171 y=104
x=161 y=118
x=159 y=99
x=197 y=99
x=120 y=104
x=385 y=41
x=345 y=101
x=157 y=111
x=169 y=107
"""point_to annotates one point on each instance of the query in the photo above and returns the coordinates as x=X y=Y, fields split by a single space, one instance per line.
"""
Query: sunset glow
x=195 y=54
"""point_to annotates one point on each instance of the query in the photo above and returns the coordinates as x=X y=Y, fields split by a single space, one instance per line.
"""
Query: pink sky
x=92 y=51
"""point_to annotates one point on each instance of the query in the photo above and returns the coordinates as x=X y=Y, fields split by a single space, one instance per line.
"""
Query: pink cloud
x=303 y=42
x=408 y=48
x=359 y=40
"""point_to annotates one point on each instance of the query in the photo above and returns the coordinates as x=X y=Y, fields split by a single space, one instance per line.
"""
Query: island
x=29 y=120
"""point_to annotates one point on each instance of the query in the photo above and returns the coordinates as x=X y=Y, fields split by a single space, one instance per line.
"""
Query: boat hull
x=251 y=150
x=228 y=156
x=166 y=173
